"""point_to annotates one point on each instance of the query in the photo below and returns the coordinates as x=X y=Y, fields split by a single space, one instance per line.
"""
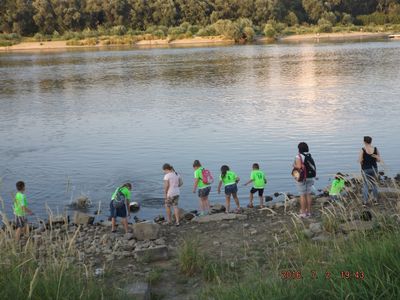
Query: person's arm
x=27 y=210
x=196 y=182
x=237 y=179
x=377 y=156
x=248 y=182
x=166 y=187
x=219 y=186
x=297 y=163
x=361 y=157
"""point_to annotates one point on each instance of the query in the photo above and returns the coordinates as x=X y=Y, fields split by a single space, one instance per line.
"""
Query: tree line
x=28 y=17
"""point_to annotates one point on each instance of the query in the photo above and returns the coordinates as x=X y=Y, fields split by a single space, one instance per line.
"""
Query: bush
x=248 y=34
x=324 y=25
x=193 y=29
x=269 y=31
x=227 y=28
x=159 y=33
x=118 y=30
x=291 y=19
x=347 y=19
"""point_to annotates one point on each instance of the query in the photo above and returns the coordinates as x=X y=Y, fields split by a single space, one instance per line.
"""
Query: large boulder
x=146 y=231
x=138 y=291
x=152 y=254
x=315 y=227
x=217 y=208
x=82 y=218
x=219 y=217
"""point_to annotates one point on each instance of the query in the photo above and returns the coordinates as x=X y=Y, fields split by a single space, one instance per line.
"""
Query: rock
x=105 y=223
x=217 y=208
x=322 y=200
x=189 y=216
x=128 y=236
x=219 y=217
x=253 y=232
x=224 y=225
x=268 y=198
x=246 y=225
x=182 y=213
x=366 y=216
x=356 y=225
x=82 y=218
x=138 y=291
x=152 y=254
x=321 y=238
x=146 y=231
x=143 y=245
x=58 y=220
x=308 y=233
x=160 y=241
x=315 y=227
x=159 y=219
x=82 y=202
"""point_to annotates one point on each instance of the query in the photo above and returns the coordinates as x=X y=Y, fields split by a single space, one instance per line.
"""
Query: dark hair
x=256 y=166
x=167 y=167
x=339 y=175
x=368 y=139
x=303 y=147
x=224 y=169
x=128 y=185
x=20 y=186
x=196 y=163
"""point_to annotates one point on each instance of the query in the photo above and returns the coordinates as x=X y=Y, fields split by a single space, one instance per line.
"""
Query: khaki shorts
x=172 y=201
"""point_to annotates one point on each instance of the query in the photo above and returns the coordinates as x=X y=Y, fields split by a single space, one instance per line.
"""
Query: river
x=85 y=121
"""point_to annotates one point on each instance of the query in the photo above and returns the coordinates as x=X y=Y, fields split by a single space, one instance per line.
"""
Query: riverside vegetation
x=342 y=252
x=92 y=22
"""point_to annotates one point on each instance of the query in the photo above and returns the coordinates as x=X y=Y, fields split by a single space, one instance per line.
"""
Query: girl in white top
x=172 y=182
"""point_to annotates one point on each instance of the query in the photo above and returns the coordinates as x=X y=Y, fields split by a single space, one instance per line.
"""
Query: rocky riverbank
x=148 y=260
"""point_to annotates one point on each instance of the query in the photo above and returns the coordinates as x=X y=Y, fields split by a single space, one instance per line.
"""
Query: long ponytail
x=224 y=170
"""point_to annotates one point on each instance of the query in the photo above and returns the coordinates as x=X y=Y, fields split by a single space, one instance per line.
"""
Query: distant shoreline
x=63 y=45
x=192 y=42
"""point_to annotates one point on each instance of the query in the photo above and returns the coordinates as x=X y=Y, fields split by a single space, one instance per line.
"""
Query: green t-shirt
x=337 y=187
x=125 y=191
x=197 y=175
x=258 y=178
x=19 y=202
x=229 y=178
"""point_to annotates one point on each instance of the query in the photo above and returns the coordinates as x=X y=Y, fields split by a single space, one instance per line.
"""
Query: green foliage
x=324 y=26
x=269 y=31
x=365 y=266
x=238 y=20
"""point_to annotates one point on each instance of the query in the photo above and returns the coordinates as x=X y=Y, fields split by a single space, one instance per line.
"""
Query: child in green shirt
x=257 y=177
x=21 y=210
x=337 y=187
x=230 y=180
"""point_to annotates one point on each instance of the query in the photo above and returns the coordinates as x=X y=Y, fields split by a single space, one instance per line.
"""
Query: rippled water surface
x=85 y=121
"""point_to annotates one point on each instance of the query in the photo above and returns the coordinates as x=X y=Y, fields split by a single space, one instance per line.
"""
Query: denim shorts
x=117 y=212
x=204 y=192
x=305 y=187
x=231 y=189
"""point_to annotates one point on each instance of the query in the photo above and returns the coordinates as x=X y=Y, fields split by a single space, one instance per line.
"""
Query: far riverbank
x=187 y=42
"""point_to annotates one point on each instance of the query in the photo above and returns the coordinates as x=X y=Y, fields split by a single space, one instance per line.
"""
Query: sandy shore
x=62 y=45
x=333 y=36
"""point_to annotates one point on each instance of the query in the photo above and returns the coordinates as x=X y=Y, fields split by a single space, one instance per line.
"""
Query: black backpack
x=119 y=200
x=311 y=169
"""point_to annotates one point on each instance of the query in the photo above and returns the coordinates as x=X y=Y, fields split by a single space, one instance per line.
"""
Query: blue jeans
x=369 y=181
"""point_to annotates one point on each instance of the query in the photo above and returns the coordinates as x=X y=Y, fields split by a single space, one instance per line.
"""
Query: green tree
x=69 y=16
x=164 y=12
x=116 y=12
x=314 y=9
x=44 y=16
x=194 y=11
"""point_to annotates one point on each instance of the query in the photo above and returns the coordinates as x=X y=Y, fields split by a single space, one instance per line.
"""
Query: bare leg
x=18 y=234
x=303 y=204
x=235 y=197
x=227 y=203
x=113 y=224
x=206 y=204
x=124 y=221
x=309 y=201
x=176 y=212
x=168 y=209
x=251 y=200
x=261 y=201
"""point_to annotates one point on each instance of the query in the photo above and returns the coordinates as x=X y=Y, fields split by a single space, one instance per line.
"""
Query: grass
x=47 y=268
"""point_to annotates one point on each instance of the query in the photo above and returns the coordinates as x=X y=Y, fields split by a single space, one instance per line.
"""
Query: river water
x=83 y=122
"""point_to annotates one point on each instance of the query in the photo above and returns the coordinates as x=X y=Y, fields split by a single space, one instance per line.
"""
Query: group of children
x=120 y=200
